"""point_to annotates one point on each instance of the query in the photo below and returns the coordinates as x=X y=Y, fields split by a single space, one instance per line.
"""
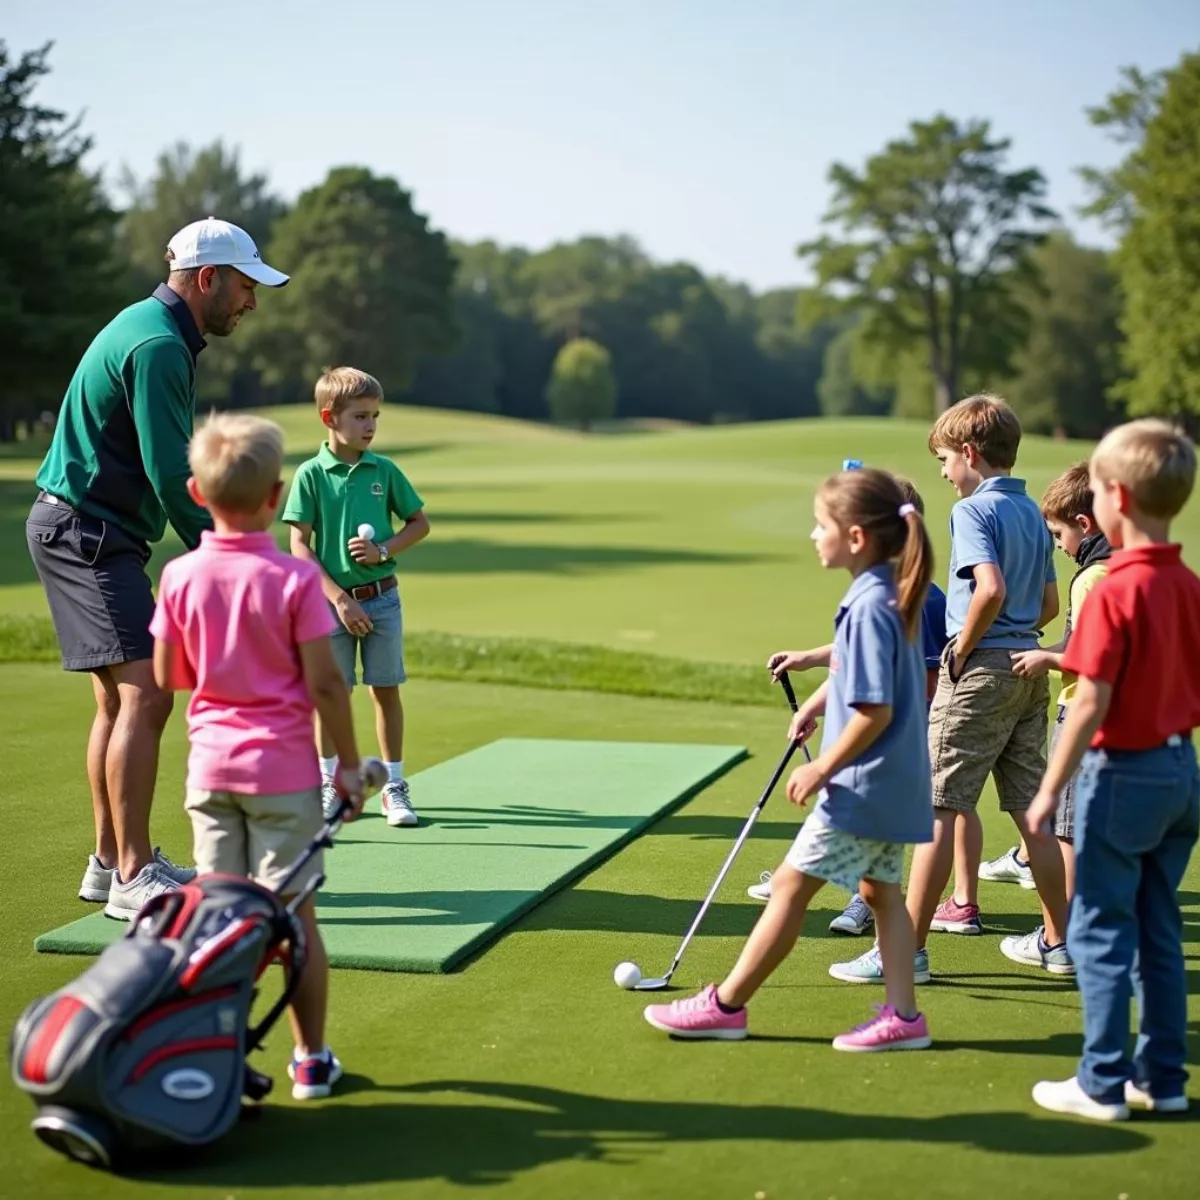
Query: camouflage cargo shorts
x=987 y=722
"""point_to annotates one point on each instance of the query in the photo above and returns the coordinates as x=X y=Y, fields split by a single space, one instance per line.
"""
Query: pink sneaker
x=887 y=1030
x=698 y=1017
x=952 y=917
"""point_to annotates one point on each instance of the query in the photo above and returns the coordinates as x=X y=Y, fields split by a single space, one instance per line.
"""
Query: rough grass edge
x=518 y=662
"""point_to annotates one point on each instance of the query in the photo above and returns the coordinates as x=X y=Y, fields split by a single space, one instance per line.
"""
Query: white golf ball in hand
x=366 y=532
x=627 y=975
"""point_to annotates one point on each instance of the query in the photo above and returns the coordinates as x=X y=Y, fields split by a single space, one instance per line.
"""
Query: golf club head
x=652 y=985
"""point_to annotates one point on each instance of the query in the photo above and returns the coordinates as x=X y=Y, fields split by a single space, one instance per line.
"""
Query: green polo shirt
x=120 y=447
x=336 y=497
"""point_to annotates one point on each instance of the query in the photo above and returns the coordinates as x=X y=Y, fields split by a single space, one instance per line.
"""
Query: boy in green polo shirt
x=345 y=498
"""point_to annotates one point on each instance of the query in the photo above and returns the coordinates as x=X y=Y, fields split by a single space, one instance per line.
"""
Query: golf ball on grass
x=366 y=532
x=627 y=975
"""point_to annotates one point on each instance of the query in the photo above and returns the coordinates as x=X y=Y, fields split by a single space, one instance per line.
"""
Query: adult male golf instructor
x=115 y=474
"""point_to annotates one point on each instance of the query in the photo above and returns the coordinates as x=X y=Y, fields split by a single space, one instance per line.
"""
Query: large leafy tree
x=934 y=237
x=371 y=286
x=59 y=275
x=1159 y=258
x=1066 y=370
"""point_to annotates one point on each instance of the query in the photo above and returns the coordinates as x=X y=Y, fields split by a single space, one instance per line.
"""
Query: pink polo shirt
x=240 y=607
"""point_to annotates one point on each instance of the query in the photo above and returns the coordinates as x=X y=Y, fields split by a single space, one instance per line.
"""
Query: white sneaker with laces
x=126 y=900
x=1066 y=1096
x=330 y=800
x=1008 y=868
x=1137 y=1097
x=762 y=889
x=98 y=879
x=395 y=803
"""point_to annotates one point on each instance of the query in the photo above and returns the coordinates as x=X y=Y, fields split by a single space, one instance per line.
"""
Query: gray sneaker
x=99 y=879
x=856 y=918
x=180 y=875
x=330 y=800
x=395 y=803
x=1032 y=951
x=126 y=900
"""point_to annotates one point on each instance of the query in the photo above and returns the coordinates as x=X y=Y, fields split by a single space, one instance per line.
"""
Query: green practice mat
x=502 y=828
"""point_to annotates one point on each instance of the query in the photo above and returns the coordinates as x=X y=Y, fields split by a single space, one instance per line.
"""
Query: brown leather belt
x=368 y=591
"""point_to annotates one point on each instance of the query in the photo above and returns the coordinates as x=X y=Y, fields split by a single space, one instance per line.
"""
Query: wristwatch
x=384 y=552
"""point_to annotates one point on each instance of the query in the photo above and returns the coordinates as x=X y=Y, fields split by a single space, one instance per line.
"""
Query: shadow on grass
x=476 y=1133
x=477 y=556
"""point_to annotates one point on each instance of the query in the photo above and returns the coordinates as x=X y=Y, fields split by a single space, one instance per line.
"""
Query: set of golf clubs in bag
x=146 y=1051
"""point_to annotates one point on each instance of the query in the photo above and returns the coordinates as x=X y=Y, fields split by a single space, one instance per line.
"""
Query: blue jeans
x=382 y=650
x=1137 y=817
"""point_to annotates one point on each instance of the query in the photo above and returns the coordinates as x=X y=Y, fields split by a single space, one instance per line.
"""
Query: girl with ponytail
x=871 y=778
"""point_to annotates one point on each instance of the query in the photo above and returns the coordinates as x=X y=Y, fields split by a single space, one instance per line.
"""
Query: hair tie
x=906 y=510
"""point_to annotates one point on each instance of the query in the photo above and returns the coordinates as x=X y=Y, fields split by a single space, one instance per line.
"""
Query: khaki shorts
x=257 y=837
x=988 y=722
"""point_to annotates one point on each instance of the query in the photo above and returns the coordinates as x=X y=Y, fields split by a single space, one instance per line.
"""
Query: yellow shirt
x=1082 y=585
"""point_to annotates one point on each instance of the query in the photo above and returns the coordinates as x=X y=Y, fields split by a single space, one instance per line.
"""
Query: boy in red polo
x=1137 y=794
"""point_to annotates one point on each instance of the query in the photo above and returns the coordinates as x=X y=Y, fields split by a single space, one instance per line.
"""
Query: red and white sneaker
x=887 y=1030
x=313 y=1077
x=698 y=1017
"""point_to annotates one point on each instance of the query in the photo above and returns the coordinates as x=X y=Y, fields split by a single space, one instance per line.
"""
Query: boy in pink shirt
x=246 y=628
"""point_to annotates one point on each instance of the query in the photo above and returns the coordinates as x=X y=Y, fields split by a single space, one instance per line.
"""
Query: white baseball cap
x=213 y=243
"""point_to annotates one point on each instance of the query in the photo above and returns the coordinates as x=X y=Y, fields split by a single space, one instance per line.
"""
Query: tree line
x=942 y=270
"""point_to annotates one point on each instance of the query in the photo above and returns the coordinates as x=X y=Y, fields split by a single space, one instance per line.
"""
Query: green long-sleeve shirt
x=120 y=445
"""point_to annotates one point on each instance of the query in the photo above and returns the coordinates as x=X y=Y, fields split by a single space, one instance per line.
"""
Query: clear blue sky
x=704 y=129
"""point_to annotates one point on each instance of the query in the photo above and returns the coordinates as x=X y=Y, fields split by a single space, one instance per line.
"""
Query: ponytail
x=914 y=571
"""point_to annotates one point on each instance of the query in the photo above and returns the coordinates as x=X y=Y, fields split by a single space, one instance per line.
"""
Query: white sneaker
x=126 y=900
x=330 y=800
x=99 y=879
x=1137 y=1097
x=1008 y=868
x=1066 y=1096
x=762 y=889
x=396 y=806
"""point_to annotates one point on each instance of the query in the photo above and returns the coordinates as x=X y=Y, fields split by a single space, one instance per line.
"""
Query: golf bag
x=146 y=1050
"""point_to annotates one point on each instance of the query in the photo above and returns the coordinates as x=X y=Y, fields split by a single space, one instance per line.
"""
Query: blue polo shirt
x=933 y=627
x=886 y=793
x=999 y=524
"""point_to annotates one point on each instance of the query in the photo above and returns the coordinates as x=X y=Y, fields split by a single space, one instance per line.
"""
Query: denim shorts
x=382 y=650
x=1064 y=819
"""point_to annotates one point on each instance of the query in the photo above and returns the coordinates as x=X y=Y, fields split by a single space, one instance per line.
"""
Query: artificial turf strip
x=502 y=827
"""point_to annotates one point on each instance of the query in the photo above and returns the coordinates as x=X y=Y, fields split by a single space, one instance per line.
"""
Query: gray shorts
x=381 y=651
x=844 y=858
x=1064 y=819
x=94 y=576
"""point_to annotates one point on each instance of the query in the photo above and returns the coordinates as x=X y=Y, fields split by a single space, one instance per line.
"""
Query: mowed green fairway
x=526 y=1070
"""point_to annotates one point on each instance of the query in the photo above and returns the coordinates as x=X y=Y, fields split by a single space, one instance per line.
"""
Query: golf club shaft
x=762 y=801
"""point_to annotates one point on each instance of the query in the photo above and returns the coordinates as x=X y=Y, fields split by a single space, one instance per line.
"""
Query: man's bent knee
x=142 y=699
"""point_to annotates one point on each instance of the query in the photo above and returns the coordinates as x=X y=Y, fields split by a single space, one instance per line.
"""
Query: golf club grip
x=786 y=683
x=749 y=825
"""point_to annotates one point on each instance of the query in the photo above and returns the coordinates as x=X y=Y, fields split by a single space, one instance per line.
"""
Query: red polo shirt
x=1140 y=633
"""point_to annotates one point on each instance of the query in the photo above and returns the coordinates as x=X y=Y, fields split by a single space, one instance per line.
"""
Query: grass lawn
x=527 y=1070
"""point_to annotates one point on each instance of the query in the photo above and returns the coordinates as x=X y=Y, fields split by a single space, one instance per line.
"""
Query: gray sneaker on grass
x=1032 y=951
x=126 y=900
x=98 y=879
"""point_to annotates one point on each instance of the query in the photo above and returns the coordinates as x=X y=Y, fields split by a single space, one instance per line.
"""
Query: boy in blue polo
x=1137 y=793
x=346 y=498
